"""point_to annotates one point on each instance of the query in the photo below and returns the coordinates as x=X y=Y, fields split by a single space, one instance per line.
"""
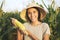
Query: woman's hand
x=31 y=35
x=13 y=21
x=26 y=31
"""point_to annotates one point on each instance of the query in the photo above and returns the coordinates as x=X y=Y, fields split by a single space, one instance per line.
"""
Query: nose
x=32 y=14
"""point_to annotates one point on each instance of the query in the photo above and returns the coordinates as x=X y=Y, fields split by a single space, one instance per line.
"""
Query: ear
x=41 y=16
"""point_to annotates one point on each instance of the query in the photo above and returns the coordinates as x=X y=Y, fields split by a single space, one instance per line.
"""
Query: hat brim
x=23 y=14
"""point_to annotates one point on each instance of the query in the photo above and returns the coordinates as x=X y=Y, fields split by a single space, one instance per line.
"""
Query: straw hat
x=42 y=11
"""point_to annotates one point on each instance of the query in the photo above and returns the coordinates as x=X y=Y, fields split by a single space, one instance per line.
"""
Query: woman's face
x=33 y=14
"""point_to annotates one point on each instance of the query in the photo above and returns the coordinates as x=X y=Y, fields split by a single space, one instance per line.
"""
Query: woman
x=37 y=30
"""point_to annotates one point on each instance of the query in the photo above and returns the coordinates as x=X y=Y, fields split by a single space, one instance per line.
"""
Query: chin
x=33 y=20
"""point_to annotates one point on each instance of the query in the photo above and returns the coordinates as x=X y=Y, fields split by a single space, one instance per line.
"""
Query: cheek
x=29 y=15
x=36 y=15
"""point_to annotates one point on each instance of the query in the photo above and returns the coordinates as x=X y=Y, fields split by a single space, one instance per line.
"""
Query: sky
x=13 y=5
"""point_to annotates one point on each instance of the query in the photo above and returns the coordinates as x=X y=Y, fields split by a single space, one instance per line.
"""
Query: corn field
x=8 y=32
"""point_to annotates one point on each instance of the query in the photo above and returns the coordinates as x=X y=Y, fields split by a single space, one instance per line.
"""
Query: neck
x=35 y=23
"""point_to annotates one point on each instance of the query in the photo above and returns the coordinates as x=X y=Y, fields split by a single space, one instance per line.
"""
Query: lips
x=33 y=18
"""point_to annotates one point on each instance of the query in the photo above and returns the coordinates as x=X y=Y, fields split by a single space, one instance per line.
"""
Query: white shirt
x=39 y=31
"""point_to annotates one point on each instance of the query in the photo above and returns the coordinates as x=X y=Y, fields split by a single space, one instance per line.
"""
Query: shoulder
x=46 y=28
x=26 y=24
x=45 y=25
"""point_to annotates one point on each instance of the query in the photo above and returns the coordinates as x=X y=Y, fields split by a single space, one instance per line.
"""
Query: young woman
x=37 y=30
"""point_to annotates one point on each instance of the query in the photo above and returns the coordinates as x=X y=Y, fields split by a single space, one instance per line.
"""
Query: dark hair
x=38 y=9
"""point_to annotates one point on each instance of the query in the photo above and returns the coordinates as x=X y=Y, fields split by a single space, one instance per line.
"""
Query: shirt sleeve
x=47 y=29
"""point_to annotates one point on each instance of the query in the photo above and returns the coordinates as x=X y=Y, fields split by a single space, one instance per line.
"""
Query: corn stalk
x=51 y=19
x=1 y=11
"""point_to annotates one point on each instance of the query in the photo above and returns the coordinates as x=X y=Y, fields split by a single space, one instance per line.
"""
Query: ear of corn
x=20 y=26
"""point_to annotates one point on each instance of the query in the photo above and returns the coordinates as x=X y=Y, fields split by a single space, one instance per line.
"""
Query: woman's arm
x=29 y=33
x=32 y=35
x=46 y=37
x=46 y=33
x=19 y=35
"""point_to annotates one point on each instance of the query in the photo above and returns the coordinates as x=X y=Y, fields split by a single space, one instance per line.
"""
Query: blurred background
x=12 y=8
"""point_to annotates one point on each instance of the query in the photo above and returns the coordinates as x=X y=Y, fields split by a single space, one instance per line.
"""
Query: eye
x=29 y=12
x=34 y=12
